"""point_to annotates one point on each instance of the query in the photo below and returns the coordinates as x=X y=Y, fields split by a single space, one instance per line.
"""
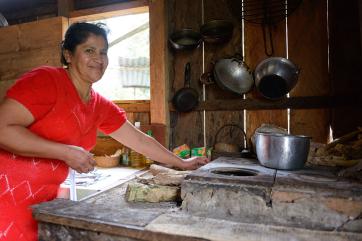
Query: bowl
x=275 y=77
x=185 y=39
x=107 y=161
x=282 y=151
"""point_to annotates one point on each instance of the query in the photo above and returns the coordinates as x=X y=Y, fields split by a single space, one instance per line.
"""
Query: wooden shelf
x=305 y=102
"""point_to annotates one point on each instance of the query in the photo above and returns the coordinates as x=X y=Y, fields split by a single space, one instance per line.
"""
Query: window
x=128 y=74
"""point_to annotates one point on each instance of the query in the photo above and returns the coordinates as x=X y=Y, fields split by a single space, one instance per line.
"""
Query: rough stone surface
x=48 y=231
x=309 y=198
x=217 y=229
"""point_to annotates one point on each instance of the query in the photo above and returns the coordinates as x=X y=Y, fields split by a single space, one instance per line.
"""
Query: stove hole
x=235 y=172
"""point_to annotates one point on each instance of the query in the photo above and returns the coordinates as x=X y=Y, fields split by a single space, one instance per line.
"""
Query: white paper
x=73 y=187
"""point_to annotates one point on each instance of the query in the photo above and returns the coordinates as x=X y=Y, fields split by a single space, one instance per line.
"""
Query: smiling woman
x=88 y=58
x=48 y=123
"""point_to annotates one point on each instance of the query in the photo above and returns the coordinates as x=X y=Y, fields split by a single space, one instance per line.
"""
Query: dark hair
x=78 y=33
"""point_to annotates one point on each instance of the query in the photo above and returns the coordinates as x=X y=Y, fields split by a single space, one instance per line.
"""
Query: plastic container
x=136 y=159
x=148 y=161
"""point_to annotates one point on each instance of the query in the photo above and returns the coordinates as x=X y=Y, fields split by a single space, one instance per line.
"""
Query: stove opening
x=239 y=172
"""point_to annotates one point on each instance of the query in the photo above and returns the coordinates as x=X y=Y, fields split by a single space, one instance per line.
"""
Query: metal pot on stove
x=282 y=151
x=275 y=77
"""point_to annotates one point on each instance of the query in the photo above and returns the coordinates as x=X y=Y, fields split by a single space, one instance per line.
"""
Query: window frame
x=158 y=104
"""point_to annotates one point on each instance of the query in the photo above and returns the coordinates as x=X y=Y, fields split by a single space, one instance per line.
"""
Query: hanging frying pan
x=186 y=98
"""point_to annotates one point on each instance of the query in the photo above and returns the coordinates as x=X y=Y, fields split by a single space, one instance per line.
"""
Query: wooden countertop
x=108 y=216
x=107 y=212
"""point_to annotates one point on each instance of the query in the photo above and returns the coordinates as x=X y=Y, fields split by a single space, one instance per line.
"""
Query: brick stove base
x=241 y=190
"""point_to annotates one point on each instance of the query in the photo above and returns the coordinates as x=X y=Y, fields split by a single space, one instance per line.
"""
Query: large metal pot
x=234 y=75
x=275 y=77
x=282 y=151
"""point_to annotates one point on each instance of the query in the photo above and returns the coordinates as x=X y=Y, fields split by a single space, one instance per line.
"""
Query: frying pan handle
x=188 y=75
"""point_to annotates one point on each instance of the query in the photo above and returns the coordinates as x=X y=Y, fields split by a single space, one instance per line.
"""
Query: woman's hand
x=194 y=162
x=79 y=159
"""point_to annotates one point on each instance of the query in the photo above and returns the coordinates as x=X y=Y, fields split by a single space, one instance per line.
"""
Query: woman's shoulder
x=49 y=70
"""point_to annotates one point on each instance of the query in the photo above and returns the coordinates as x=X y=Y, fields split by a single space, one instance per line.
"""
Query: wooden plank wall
x=308 y=48
x=254 y=54
x=217 y=119
x=28 y=45
x=187 y=128
x=345 y=25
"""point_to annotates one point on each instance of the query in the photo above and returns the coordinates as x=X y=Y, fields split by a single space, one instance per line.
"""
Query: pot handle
x=187 y=75
x=231 y=125
x=238 y=56
x=207 y=78
x=269 y=51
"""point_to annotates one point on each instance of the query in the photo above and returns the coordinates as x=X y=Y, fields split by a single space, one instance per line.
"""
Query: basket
x=223 y=149
x=107 y=161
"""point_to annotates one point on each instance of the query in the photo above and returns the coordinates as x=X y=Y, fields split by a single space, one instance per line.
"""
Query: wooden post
x=159 y=63
x=65 y=7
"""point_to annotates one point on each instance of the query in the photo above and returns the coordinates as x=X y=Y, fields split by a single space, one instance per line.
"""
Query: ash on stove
x=86 y=179
x=240 y=172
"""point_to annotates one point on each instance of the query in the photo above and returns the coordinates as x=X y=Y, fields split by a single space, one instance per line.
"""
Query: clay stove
x=241 y=190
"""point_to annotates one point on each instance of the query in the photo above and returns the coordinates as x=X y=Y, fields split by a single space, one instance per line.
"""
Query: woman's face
x=89 y=60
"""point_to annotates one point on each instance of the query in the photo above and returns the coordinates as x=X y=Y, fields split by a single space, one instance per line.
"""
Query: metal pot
x=217 y=31
x=275 y=77
x=185 y=39
x=234 y=75
x=282 y=151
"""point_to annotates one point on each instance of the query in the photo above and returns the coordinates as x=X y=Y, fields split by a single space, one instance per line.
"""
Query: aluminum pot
x=185 y=39
x=282 y=151
x=234 y=75
x=275 y=77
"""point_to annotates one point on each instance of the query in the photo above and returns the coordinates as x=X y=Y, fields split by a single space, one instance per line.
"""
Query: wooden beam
x=129 y=34
x=134 y=106
x=65 y=7
x=108 y=11
x=307 y=102
x=158 y=62
x=42 y=11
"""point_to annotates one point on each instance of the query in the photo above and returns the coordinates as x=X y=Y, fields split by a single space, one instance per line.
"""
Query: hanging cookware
x=275 y=77
x=234 y=75
x=186 y=98
x=185 y=39
x=217 y=31
x=3 y=21
x=230 y=140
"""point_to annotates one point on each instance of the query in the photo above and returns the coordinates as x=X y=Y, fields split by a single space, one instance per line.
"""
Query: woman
x=48 y=122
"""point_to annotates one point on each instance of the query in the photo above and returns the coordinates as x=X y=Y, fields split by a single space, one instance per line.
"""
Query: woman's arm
x=16 y=138
x=130 y=136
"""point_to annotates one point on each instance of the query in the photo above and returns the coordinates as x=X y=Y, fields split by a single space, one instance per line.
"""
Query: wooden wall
x=188 y=128
x=345 y=25
x=28 y=45
x=307 y=48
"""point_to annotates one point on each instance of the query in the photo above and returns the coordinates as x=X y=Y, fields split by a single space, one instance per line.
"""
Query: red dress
x=61 y=116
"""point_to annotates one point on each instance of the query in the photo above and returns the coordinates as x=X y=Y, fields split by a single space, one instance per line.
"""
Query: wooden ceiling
x=20 y=11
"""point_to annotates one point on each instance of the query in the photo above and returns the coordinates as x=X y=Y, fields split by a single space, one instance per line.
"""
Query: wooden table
x=108 y=216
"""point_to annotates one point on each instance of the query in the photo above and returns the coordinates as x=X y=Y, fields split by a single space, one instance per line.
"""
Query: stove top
x=242 y=190
x=230 y=170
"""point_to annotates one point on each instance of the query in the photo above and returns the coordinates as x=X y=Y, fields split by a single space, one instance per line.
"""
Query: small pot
x=217 y=31
x=185 y=39
x=282 y=151
x=275 y=77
